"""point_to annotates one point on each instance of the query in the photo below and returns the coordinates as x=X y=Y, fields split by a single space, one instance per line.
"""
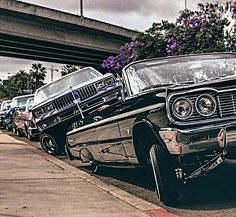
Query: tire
x=52 y=145
x=8 y=128
x=164 y=175
x=30 y=138
x=94 y=167
x=27 y=134
x=18 y=133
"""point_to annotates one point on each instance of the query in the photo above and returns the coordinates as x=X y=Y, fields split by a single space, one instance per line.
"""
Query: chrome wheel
x=48 y=144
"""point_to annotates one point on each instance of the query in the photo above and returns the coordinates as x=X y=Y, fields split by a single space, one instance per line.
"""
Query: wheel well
x=143 y=138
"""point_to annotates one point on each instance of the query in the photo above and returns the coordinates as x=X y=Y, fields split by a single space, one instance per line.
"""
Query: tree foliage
x=67 y=69
x=37 y=74
x=210 y=28
x=22 y=82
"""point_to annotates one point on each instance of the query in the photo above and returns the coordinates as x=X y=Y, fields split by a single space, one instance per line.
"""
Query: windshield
x=175 y=71
x=64 y=83
x=19 y=101
x=29 y=104
x=5 y=105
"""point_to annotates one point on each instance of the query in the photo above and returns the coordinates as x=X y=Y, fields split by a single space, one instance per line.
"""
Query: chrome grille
x=226 y=103
x=64 y=101
x=87 y=91
x=231 y=136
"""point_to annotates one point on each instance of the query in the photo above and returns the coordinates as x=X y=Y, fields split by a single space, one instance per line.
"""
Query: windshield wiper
x=156 y=86
x=167 y=85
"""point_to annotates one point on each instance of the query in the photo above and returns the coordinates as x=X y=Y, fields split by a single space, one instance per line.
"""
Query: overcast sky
x=133 y=14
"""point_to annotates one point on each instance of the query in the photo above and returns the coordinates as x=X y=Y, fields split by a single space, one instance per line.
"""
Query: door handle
x=97 y=118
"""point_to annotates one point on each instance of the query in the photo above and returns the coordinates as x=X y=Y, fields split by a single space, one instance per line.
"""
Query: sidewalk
x=33 y=183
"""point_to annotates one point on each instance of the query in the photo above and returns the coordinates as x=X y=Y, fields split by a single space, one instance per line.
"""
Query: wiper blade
x=157 y=85
x=167 y=85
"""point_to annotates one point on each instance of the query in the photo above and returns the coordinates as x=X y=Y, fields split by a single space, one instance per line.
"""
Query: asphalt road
x=214 y=195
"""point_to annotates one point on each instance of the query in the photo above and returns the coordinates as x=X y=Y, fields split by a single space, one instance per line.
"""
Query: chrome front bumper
x=210 y=138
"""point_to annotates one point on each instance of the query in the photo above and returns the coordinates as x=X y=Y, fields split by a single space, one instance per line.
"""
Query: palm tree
x=20 y=80
x=67 y=69
x=37 y=75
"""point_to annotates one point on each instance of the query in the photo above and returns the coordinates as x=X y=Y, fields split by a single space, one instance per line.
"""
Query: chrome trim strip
x=141 y=110
x=117 y=117
x=232 y=96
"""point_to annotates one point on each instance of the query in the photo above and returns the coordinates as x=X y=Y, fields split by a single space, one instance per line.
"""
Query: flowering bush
x=210 y=28
x=128 y=53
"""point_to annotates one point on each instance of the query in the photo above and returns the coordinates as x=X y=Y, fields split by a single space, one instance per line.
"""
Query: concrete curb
x=136 y=202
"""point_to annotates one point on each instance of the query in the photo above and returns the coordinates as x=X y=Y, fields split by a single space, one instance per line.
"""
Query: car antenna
x=77 y=103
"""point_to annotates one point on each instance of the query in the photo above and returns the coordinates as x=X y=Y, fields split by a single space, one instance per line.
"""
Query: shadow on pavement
x=216 y=191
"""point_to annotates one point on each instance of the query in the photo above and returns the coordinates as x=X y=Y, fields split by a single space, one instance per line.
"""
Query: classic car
x=24 y=121
x=17 y=103
x=5 y=106
x=67 y=100
x=176 y=116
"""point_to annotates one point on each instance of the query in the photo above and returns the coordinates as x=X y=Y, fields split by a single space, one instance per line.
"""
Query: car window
x=19 y=101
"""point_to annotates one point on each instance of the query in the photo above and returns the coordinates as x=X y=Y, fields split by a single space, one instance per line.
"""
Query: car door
x=84 y=137
x=126 y=118
x=108 y=134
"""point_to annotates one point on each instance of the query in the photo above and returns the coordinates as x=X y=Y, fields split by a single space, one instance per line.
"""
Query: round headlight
x=206 y=105
x=182 y=108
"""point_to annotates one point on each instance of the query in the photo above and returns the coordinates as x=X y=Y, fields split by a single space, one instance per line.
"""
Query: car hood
x=218 y=84
x=74 y=88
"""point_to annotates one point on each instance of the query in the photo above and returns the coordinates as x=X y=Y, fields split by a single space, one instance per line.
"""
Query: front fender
x=144 y=135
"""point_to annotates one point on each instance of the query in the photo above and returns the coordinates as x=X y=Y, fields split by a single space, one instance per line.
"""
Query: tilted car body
x=177 y=116
x=5 y=106
x=24 y=121
x=72 y=97
x=17 y=103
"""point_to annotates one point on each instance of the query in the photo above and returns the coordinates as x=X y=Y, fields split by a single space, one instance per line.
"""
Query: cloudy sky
x=133 y=14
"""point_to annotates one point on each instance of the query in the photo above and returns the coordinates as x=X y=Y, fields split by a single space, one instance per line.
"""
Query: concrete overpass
x=38 y=33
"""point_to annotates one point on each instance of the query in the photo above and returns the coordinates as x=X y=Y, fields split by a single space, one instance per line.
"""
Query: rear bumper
x=210 y=138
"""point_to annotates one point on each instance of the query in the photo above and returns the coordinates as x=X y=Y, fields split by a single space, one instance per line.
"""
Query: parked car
x=24 y=121
x=5 y=106
x=67 y=100
x=18 y=103
x=177 y=116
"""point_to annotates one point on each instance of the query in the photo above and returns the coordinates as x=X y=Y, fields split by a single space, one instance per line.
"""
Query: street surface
x=214 y=195
x=33 y=183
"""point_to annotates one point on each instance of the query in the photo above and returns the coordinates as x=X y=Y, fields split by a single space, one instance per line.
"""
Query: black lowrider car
x=68 y=100
x=177 y=116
